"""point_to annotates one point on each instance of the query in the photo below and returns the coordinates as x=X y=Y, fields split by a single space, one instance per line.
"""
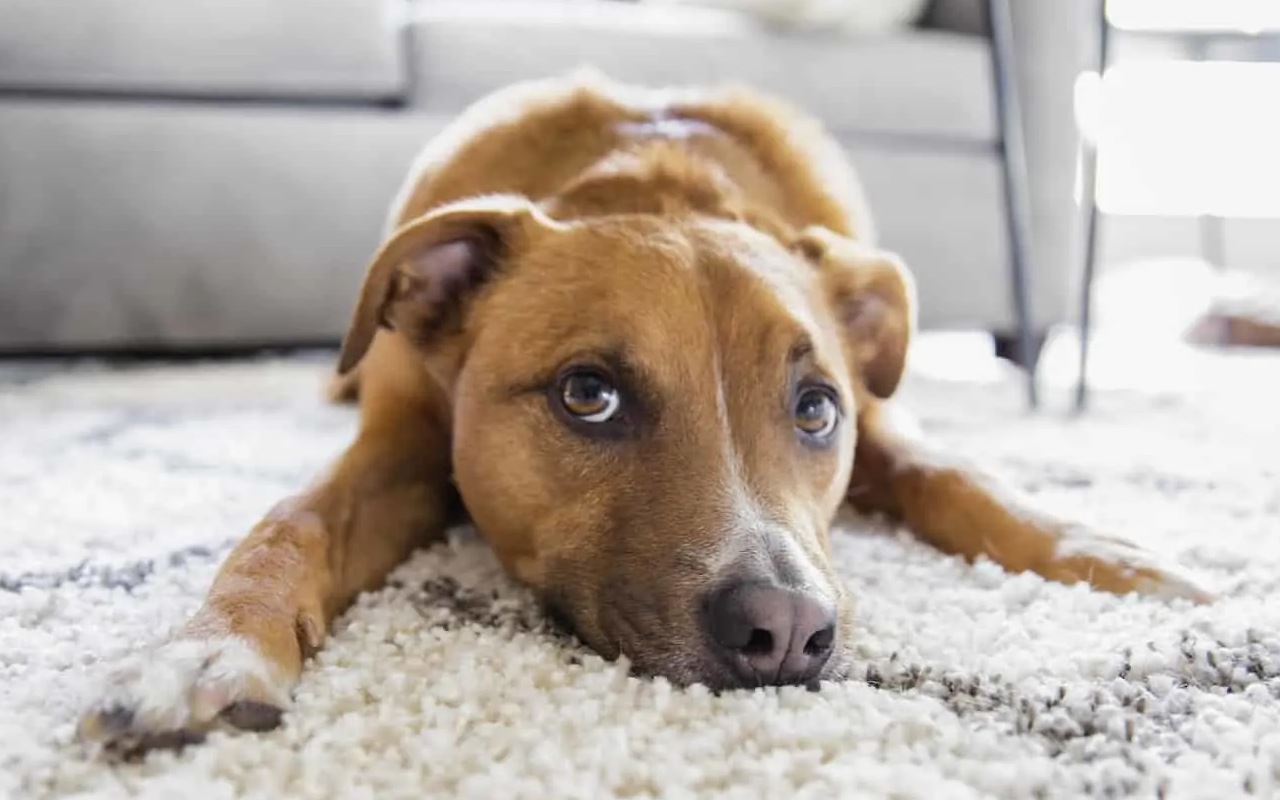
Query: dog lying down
x=647 y=339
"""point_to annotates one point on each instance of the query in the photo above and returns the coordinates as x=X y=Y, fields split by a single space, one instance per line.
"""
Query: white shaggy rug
x=120 y=489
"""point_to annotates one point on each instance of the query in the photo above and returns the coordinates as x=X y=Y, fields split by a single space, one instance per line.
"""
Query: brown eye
x=817 y=412
x=589 y=396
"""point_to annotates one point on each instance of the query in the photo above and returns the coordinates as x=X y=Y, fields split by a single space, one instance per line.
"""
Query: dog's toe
x=173 y=696
x=1119 y=566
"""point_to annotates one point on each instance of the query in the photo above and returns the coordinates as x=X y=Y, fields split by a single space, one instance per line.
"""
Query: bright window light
x=1189 y=138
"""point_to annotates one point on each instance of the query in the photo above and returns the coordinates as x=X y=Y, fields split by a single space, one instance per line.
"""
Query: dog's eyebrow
x=803 y=348
x=613 y=358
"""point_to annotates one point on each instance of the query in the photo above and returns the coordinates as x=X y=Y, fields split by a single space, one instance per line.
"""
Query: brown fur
x=711 y=249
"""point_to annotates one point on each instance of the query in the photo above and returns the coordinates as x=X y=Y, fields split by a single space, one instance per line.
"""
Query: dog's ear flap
x=873 y=296
x=419 y=278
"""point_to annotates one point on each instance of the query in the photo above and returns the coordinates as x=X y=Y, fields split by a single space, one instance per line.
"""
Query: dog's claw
x=170 y=740
x=113 y=731
x=114 y=719
x=251 y=715
x=1166 y=581
x=1171 y=584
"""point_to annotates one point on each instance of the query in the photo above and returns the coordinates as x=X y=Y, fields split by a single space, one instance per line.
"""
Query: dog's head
x=654 y=419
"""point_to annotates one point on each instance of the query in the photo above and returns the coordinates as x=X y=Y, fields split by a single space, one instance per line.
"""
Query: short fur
x=710 y=250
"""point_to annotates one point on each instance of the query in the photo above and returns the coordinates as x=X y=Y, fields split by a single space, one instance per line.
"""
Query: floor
x=122 y=489
x=1143 y=311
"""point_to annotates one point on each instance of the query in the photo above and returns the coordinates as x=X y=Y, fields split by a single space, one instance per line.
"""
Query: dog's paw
x=174 y=695
x=1119 y=566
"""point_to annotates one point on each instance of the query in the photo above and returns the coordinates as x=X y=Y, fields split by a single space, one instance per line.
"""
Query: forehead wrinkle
x=669 y=321
x=605 y=283
x=781 y=291
x=801 y=349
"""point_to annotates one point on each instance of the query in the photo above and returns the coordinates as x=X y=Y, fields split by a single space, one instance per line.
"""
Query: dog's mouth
x=697 y=666
x=685 y=655
x=722 y=678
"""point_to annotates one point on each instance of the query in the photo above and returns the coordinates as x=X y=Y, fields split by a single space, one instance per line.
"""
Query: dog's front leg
x=270 y=605
x=960 y=509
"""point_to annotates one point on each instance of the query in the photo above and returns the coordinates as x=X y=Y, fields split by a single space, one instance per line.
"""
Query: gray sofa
x=215 y=173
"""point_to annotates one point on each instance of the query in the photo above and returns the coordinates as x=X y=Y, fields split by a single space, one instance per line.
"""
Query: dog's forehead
x=682 y=299
x=675 y=275
x=745 y=267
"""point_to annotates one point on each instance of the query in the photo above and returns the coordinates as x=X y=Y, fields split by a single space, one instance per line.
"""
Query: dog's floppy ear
x=873 y=296
x=418 y=278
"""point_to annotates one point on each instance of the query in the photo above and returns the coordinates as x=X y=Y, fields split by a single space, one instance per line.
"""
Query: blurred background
x=211 y=176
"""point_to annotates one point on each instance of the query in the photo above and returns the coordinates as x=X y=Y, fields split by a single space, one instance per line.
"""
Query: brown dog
x=647 y=339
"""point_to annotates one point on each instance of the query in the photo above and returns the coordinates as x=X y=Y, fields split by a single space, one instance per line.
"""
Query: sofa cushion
x=180 y=225
x=330 y=49
x=925 y=82
x=189 y=225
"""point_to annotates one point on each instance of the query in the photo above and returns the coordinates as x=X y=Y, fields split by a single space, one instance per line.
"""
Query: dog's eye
x=816 y=413
x=589 y=396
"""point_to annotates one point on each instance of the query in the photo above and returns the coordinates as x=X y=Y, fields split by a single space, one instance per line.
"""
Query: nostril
x=820 y=642
x=763 y=632
x=760 y=643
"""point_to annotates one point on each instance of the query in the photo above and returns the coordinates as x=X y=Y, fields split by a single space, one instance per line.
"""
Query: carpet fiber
x=121 y=489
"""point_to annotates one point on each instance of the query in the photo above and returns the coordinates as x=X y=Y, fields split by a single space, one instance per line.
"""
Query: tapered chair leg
x=1016 y=190
x=1088 y=198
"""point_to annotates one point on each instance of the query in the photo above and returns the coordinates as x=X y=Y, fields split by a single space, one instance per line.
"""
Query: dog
x=645 y=342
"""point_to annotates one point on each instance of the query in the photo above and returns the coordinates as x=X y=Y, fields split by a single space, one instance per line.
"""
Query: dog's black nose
x=768 y=634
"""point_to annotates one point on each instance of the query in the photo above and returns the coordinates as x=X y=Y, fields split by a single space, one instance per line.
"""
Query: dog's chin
x=685 y=660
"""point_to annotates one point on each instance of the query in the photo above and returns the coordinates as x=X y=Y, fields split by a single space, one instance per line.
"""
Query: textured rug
x=121 y=488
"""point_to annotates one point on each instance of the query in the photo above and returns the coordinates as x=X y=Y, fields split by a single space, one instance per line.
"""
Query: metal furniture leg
x=1213 y=245
x=1014 y=168
x=1213 y=241
x=1088 y=198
